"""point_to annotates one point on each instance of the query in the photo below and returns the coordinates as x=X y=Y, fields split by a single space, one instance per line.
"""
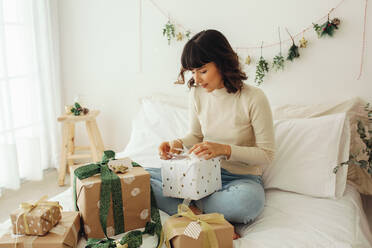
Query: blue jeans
x=240 y=200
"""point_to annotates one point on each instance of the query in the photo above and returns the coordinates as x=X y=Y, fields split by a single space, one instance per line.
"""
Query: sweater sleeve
x=262 y=122
x=195 y=134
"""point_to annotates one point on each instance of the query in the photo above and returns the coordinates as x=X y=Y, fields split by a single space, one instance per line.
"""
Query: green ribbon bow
x=111 y=186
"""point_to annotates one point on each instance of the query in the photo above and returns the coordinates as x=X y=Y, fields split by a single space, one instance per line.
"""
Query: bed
x=289 y=219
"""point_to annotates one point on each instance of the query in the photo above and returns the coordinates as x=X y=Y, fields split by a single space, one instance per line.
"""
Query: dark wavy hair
x=212 y=46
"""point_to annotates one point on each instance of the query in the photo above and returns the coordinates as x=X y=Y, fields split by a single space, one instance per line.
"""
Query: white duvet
x=289 y=220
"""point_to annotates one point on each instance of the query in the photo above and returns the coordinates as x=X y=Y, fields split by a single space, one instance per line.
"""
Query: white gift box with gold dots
x=190 y=177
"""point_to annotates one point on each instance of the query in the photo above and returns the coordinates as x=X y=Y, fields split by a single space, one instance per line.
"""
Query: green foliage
x=327 y=28
x=367 y=140
x=169 y=31
x=187 y=34
x=278 y=62
x=133 y=239
x=77 y=109
x=261 y=70
x=293 y=52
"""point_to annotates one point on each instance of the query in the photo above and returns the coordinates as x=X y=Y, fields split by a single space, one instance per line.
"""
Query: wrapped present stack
x=189 y=177
x=185 y=229
x=129 y=189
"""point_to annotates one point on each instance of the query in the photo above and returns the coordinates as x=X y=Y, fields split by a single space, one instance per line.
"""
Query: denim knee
x=240 y=202
x=250 y=202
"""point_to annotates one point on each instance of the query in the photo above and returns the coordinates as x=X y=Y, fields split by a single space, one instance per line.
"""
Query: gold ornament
x=118 y=245
x=179 y=36
x=119 y=165
x=68 y=109
x=248 y=60
x=303 y=43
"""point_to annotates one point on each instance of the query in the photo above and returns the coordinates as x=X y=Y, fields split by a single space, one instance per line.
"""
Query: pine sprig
x=278 y=62
x=169 y=31
x=262 y=69
x=293 y=52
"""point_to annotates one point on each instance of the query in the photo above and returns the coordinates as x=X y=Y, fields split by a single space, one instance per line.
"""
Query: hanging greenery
x=261 y=70
x=327 y=28
x=169 y=31
x=278 y=62
x=293 y=50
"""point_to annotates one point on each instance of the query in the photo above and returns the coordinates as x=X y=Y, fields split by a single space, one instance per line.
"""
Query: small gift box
x=37 y=218
x=111 y=203
x=190 y=177
x=185 y=229
x=63 y=235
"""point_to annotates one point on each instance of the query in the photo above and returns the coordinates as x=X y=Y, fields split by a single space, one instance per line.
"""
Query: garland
x=326 y=29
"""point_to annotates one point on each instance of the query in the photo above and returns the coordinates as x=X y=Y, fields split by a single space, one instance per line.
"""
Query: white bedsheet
x=288 y=220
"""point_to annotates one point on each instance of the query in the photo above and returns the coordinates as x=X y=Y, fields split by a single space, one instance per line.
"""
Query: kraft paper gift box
x=135 y=191
x=179 y=233
x=190 y=177
x=37 y=218
x=63 y=235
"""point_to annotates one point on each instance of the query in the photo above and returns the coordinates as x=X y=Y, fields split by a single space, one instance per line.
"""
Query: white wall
x=100 y=52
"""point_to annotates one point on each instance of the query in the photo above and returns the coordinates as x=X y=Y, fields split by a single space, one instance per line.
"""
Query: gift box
x=63 y=235
x=186 y=229
x=37 y=218
x=135 y=202
x=190 y=177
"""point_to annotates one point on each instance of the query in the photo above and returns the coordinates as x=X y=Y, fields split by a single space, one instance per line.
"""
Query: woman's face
x=208 y=76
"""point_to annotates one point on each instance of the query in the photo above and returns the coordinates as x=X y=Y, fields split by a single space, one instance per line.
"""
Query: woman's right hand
x=167 y=148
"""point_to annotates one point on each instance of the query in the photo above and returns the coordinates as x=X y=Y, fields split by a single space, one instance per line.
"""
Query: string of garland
x=262 y=67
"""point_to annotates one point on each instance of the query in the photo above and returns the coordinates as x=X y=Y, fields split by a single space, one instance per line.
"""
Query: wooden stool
x=68 y=145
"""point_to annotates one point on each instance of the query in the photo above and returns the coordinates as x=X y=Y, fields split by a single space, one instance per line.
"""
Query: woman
x=227 y=118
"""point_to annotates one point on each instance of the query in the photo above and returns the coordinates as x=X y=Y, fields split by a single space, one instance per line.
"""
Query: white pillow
x=157 y=121
x=307 y=151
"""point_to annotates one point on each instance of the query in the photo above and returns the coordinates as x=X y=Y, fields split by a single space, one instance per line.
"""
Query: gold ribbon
x=204 y=220
x=27 y=208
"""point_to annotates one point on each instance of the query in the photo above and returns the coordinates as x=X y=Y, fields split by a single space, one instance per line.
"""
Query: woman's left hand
x=210 y=150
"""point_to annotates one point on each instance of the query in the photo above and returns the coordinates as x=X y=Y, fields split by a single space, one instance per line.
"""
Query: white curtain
x=30 y=99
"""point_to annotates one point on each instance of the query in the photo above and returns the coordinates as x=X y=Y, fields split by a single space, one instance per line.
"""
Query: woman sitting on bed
x=227 y=118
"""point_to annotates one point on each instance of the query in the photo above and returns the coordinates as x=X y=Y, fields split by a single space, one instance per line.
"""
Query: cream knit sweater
x=244 y=121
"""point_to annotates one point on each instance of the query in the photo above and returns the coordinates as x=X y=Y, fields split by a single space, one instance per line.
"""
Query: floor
x=32 y=191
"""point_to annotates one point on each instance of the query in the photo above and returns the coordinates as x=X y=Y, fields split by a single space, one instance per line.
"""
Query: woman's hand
x=210 y=150
x=167 y=148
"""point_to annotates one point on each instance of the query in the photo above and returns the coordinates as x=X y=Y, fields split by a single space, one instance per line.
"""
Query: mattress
x=288 y=220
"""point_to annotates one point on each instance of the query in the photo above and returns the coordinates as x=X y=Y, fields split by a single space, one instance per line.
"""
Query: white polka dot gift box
x=135 y=187
x=35 y=218
x=190 y=177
